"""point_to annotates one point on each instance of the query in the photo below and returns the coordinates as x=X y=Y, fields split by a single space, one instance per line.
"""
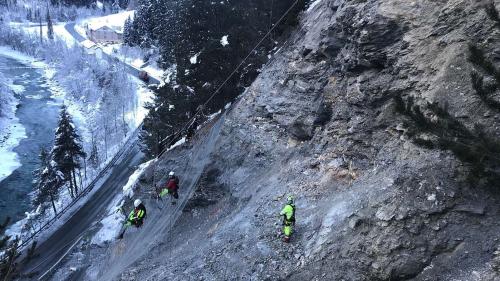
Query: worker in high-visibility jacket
x=288 y=214
x=137 y=215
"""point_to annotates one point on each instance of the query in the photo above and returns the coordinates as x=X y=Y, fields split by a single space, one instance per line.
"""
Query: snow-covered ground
x=59 y=31
x=11 y=131
x=144 y=96
x=134 y=56
x=112 y=223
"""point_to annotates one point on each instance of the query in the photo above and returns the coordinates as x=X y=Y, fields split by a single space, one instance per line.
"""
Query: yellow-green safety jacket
x=288 y=214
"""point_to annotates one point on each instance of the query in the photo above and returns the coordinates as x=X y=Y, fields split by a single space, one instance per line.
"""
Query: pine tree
x=48 y=181
x=126 y=32
x=68 y=151
x=166 y=115
x=8 y=263
x=50 y=28
x=144 y=23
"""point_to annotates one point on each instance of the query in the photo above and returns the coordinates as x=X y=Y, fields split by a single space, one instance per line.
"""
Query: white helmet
x=137 y=202
x=171 y=173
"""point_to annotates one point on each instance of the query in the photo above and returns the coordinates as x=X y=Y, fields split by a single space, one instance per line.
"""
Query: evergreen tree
x=50 y=28
x=48 y=181
x=126 y=32
x=67 y=150
x=166 y=115
x=186 y=28
x=8 y=263
x=144 y=23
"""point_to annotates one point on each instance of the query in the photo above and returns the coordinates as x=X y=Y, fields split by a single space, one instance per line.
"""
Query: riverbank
x=33 y=82
x=33 y=218
x=24 y=133
x=11 y=131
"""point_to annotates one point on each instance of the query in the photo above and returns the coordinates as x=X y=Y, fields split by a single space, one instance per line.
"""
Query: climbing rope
x=173 y=137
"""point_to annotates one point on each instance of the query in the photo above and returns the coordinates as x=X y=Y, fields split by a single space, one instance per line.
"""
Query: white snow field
x=59 y=31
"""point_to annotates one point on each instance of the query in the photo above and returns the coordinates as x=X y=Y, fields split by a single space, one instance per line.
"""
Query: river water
x=38 y=113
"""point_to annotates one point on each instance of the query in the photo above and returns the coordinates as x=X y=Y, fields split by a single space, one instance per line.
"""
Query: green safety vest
x=289 y=213
x=133 y=216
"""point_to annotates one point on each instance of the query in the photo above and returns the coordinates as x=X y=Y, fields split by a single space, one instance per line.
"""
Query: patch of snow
x=35 y=97
x=88 y=44
x=137 y=63
x=81 y=30
x=144 y=96
x=224 y=41
x=194 y=59
x=178 y=143
x=10 y=53
x=431 y=197
x=17 y=88
x=154 y=72
x=111 y=224
x=60 y=31
x=128 y=188
x=212 y=116
x=313 y=4
x=11 y=134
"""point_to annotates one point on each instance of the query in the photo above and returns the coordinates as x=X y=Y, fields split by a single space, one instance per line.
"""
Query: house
x=104 y=34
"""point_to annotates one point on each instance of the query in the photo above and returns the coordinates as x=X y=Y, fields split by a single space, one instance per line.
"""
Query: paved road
x=55 y=247
x=70 y=27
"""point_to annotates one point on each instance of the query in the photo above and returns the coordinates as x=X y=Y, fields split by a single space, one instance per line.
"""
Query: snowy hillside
x=306 y=140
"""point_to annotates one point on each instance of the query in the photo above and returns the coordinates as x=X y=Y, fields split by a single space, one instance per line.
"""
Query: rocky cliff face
x=348 y=117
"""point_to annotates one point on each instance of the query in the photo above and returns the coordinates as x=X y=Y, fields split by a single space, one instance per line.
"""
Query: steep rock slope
x=377 y=199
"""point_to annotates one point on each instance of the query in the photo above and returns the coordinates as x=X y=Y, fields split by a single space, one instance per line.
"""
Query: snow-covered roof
x=106 y=27
x=113 y=21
